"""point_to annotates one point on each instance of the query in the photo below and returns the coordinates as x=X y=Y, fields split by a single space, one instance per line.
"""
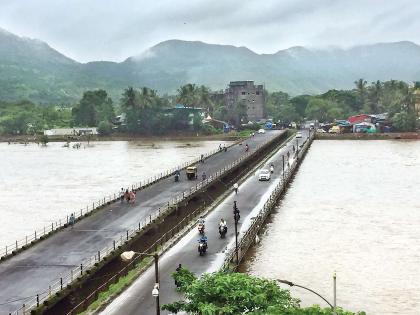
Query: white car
x=261 y=131
x=264 y=175
x=320 y=130
x=298 y=135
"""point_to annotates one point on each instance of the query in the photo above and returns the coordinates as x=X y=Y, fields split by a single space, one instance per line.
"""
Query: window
x=258 y=93
x=243 y=93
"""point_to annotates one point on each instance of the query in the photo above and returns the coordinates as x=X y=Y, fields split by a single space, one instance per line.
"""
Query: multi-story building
x=250 y=95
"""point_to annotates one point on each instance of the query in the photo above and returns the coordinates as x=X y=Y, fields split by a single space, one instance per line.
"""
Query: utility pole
x=156 y=257
x=335 y=294
x=282 y=158
x=235 y=211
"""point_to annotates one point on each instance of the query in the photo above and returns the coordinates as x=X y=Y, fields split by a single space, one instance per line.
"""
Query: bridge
x=27 y=277
x=251 y=198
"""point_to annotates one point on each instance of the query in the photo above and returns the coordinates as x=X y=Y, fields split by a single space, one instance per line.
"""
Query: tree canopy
x=237 y=293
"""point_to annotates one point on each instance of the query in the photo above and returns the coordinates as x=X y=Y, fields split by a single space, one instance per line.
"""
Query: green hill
x=30 y=69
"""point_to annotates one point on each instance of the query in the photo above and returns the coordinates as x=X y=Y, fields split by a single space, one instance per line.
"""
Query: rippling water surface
x=41 y=184
x=353 y=208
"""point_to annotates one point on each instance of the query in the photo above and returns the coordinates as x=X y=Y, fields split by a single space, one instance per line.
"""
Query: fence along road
x=32 y=271
x=251 y=199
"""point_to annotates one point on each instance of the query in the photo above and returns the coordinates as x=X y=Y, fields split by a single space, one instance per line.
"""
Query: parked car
x=320 y=130
x=264 y=175
x=298 y=135
x=334 y=129
x=261 y=131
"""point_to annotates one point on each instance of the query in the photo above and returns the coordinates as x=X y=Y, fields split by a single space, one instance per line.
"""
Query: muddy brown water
x=39 y=185
x=353 y=208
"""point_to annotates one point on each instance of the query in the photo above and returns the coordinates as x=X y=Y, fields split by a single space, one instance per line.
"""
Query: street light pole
x=235 y=208
x=127 y=256
x=335 y=294
x=289 y=283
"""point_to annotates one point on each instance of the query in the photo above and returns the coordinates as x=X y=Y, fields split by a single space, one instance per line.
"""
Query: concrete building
x=252 y=96
x=71 y=131
x=417 y=102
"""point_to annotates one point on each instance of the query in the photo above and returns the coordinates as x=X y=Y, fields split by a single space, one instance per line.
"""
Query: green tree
x=361 y=93
x=323 y=110
x=238 y=293
x=104 y=128
x=233 y=293
x=95 y=106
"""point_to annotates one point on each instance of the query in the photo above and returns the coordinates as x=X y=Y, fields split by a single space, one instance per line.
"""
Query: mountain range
x=31 y=69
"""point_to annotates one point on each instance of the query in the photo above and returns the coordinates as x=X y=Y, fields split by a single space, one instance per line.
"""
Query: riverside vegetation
x=238 y=293
x=149 y=113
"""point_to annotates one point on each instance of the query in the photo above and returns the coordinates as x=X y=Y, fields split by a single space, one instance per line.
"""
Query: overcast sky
x=87 y=30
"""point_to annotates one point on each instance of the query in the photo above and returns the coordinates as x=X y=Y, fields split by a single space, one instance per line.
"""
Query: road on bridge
x=31 y=272
x=252 y=195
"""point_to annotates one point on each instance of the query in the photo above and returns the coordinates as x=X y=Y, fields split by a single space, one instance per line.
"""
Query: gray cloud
x=116 y=29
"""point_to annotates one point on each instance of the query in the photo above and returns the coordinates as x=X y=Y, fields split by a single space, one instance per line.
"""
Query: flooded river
x=41 y=184
x=353 y=208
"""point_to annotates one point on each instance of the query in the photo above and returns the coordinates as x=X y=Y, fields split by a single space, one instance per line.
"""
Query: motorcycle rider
x=235 y=188
x=222 y=223
x=201 y=225
x=204 y=176
x=246 y=147
x=203 y=240
x=177 y=174
x=272 y=168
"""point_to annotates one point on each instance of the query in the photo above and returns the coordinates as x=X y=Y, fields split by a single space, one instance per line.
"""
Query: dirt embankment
x=368 y=136
x=232 y=136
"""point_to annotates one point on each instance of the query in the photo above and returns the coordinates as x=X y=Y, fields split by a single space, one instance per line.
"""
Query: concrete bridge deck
x=30 y=272
x=138 y=299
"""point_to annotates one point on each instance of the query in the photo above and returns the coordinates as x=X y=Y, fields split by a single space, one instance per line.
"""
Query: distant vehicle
x=298 y=135
x=192 y=172
x=334 y=129
x=264 y=175
x=261 y=131
x=320 y=130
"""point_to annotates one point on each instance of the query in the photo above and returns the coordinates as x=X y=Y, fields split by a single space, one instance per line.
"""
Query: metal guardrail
x=69 y=277
x=249 y=236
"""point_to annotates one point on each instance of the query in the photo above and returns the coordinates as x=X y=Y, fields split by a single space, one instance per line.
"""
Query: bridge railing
x=58 y=224
x=69 y=277
x=248 y=237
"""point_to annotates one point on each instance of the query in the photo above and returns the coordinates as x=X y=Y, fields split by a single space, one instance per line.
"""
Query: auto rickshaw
x=192 y=172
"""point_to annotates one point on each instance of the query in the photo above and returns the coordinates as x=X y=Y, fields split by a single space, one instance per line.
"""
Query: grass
x=116 y=288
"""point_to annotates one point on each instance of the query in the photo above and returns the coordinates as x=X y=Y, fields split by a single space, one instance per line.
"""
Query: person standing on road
x=235 y=187
x=178 y=269
x=72 y=220
x=122 y=194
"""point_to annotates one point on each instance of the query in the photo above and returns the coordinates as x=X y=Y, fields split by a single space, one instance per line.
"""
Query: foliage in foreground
x=237 y=293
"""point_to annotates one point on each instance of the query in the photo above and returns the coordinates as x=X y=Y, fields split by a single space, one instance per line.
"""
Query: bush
x=104 y=128
x=210 y=130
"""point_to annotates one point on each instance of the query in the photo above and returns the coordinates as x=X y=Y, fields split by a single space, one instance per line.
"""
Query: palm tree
x=188 y=95
x=129 y=98
x=361 y=90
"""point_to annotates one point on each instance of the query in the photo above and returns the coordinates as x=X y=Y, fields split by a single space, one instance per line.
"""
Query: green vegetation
x=94 y=107
x=237 y=293
x=148 y=113
x=393 y=97
x=116 y=288
x=27 y=118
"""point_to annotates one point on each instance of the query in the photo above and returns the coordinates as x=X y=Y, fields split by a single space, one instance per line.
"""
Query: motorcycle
x=176 y=177
x=201 y=228
x=222 y=231
x=202 y=248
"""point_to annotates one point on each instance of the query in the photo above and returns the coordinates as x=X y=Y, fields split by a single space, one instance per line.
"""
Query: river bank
x=368 y=136
x=231 y=136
